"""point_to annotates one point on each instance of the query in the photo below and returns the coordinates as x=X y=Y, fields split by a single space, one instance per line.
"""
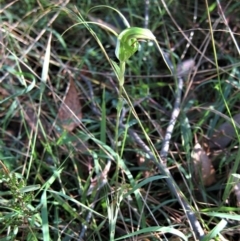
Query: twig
x=192 y=32
x=183 y=69
x=146 y=17
x=176 y=110
x=88 y=218
x=161 y=163
x=175 y=190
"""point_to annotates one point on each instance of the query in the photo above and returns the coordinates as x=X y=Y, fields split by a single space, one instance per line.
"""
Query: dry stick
x=146 y=17
x=181 y=71
x=192 y=32
x=176 y=109
x=175 y=190
x=161 y=164
x=88 y=218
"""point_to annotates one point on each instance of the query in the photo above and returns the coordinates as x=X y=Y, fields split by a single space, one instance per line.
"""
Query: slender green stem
x=120 y=100
x=121 y=75
x=119 y=108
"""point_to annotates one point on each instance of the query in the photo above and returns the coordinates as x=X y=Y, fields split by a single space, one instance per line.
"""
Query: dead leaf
x=203 y=169
x=236 y=189
x=146 y=165
x=184 y=68
x=237 y=193
x=224 y=134
x=141 y=161
x=101 y=179
x=70 y=111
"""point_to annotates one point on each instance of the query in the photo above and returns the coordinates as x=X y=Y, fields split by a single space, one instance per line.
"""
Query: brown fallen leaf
x=70 y=111
x=147 y=166
x=236 y=188
x=203 y=169
x=224 y=134
x=184 y=68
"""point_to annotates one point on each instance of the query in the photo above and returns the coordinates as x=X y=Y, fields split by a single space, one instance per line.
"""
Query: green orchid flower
x=127 y=42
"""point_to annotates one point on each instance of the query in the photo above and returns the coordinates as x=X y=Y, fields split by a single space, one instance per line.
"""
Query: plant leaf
x=116 y=68
x=155 y=229
x=216 y=230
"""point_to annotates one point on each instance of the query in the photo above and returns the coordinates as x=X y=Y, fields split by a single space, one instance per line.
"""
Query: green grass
x=96 y=182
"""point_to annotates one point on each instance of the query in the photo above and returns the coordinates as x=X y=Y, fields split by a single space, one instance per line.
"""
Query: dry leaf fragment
x=184 y=68
x=147 y=166
x=203 y=169
x=224 y=134
x=236 y=187
x=70 y=111
x=101 y=179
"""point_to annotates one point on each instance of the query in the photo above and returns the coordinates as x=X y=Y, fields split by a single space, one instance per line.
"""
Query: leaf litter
x=224 y=134
x=203 y=168
x=70 y=111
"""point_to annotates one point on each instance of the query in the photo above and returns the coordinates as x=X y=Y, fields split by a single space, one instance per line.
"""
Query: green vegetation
x=119 y=120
